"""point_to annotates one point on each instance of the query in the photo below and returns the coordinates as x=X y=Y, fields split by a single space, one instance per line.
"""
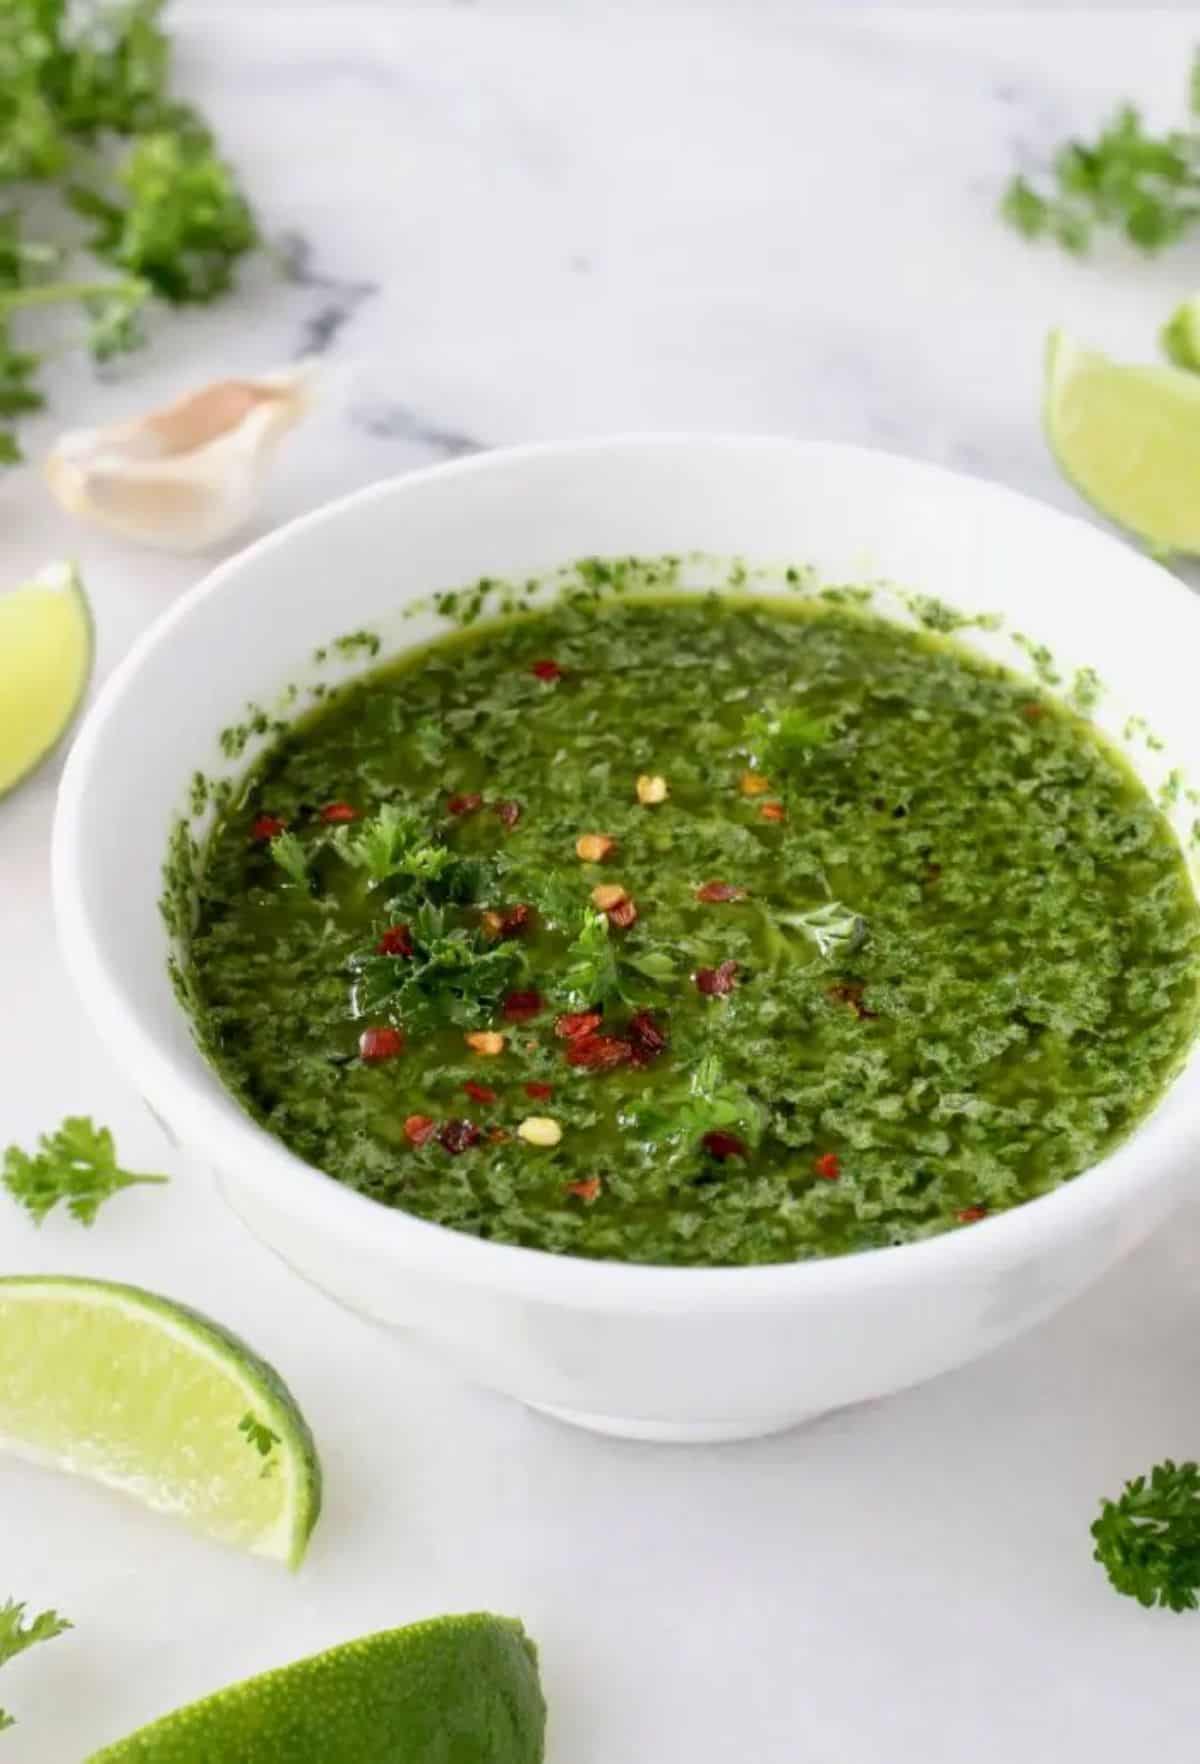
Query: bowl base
x=671 y=1432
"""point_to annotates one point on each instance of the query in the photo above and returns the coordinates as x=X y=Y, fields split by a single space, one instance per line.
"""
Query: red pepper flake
x=598 y=1053
x=546 y=670
x=971 y=1215
x=339 y=811
x=380 y=1044
x=850 y=992
x=646 y=1039
x=828 y=1166
x=480 y=1093
x=623 y=915
x=576 y=1023
x=1033 y=711
x=587 y=1190
x=719 y=891
x=396 y=941
x=772 y=811
x=466 y=804
x=267 y=827
x=418 y=1129
x=518 y=1007
x=539 y=1092
x=721 y=1145
x=508 y=811
x=716 y=982
x=514 y=920
x=458 y=1136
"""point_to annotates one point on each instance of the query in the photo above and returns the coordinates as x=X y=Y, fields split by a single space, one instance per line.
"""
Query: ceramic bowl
x=661 y=1353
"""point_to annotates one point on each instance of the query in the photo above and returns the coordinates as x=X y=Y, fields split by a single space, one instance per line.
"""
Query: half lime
x=454 y=1690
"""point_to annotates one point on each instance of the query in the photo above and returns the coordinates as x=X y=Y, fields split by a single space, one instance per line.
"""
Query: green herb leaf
x=16 y=1635
x=76 y=1164
x=451 y=968
x=591 y=975
x=261 y=1437
x=836 y=930
x=700 y=1102
x=1146 y=186
x=290 y=855
x=1148 y=1541
x=783 y=741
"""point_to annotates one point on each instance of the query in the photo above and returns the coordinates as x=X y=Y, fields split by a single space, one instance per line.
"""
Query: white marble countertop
x=526 y=221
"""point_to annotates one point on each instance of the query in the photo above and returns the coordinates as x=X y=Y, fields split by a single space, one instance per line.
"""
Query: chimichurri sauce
x=698 y=931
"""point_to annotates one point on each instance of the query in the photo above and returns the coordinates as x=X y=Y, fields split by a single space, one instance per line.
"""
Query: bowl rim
x=234 y=1140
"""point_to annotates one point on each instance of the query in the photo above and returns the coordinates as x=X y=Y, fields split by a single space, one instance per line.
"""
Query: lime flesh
x=454 y=1690
x=1128 y=438
x=150 y=1398
x=45 y=661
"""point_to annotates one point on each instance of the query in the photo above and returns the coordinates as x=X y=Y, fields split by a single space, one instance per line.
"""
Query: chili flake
x=572 y=1024
x=458 y=1136
x=721 y=1145
x=623 y=915
x=586 y=1190
x=828 y=1166
x=599 y=1053
x=396 y=941
x=593 y=848
x=267 y=827
x=538 y=1092
x=508 y=811
x=419 y=1128
x=465 y=804
x=485 y=1041
x=720 y=891
x=753 y=784
x=339 y=811
x=383 y=1043
x=716 y=982
x=646 y=1039
x=518 y=1007
x=971 y=1215
x=546 y=670
x=480 y=1093
x=515 y=920
x=772 y=811
x=850 y=992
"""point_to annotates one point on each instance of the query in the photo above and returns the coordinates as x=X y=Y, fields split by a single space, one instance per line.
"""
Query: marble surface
x=508 y=222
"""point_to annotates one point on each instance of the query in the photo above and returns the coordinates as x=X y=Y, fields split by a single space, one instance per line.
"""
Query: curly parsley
x=17 y=1634
x=1148 y=1541
x=76 y=1164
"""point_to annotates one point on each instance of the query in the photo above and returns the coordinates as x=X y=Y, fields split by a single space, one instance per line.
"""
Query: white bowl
x=662 y=1353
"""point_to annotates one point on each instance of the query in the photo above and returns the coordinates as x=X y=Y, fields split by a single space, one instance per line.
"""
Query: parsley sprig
x=77 y=1164
x=85 y=105
x=1148 y=1541
x=1144 y=185
x=17 y=1634
x=452 y=969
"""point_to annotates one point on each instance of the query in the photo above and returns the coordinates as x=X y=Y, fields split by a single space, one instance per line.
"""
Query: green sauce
x=961 y=963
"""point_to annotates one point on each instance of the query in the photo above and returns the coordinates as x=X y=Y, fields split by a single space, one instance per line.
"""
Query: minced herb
x=695 y=930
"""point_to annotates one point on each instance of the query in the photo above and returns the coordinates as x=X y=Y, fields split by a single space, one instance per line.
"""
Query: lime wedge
x=455 y=1690
x=152 y=1399
x=1128 y=438
x=45 y=660
x=1180 y=336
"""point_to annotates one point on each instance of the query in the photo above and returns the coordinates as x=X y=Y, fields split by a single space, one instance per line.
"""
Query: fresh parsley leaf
x=262 y=1438
x=836 y=930
x=290 y=855
x=1148 y=1541
x=16 y=1635
x=395 y=845
x=590 y=975
x=76 y=1164
x=452 y=968
x=784 y=740
x=1146 y=186
x=700 y=1102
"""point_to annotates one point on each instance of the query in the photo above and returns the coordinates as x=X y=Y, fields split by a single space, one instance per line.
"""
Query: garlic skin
x=187 y=476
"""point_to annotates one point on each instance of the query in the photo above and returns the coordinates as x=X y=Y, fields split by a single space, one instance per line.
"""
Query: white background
x=567 y=219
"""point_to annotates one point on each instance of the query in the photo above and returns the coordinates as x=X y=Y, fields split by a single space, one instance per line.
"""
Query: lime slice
x=1128 y=438
x=1180 y=336
x=45 y=660
x=455 y=1690
x=150 y=1398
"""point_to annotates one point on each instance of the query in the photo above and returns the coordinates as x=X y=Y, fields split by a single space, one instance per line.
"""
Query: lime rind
x=1180 y=336
x=202 y=1348
x=462 y=1687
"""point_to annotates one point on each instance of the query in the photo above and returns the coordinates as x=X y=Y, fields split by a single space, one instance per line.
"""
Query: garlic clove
x=186 y=476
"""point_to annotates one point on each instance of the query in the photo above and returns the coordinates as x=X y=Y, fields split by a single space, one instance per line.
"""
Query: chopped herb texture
x=1148 y=1541
x=954 y=969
